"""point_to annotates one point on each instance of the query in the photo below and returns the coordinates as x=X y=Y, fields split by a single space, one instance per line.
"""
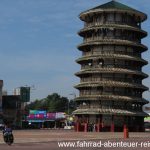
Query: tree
x=52 y=103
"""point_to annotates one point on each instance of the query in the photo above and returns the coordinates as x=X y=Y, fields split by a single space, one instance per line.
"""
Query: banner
x=60 y=115
x=41 y=114
x=51 y=116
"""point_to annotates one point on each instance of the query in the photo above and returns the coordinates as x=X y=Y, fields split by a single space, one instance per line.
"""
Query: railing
x=104 y=93
x=91 y=79
x=90 y=39
x=111 y=66
x=107 y=52
x=110 y=107
x=111 y=22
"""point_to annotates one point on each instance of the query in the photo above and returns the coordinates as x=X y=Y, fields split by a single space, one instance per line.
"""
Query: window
x=108 y=90
x=107 y=76
x=110 y=33
x=90 y=63
x=118 y=17
x=118 y=91
x=110 y=17
x=101 y=62
x=120 y=49
x=117 y=33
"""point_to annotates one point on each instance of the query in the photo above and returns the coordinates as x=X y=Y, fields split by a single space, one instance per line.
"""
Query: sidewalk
x=29 y=136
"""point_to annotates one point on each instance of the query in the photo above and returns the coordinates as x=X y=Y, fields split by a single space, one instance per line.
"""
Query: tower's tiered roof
x=115 y=6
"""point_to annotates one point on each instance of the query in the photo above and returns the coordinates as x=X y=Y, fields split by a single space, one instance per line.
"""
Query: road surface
x=59 y=139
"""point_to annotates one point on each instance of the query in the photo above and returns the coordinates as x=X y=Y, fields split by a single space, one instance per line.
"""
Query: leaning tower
x=110 y=88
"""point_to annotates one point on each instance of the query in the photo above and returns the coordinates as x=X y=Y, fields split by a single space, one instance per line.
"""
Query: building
x=1 y=85
x=110 y=89
x=4 y=92
x=44 y=119
x=11 y=106
x=24 y=93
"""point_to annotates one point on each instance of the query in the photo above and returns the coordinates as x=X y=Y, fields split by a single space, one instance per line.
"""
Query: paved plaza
x=48 y=139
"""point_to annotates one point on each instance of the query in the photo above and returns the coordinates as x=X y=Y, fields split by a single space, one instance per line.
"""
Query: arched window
x=101 y=62
x=90 y=63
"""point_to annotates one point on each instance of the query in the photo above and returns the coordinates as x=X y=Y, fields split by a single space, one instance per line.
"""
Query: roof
x=110 y=111
x=110 y=70
x=111 y=98
x=113 y=4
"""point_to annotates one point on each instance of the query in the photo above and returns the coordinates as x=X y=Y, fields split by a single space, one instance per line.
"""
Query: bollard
x=98 y=127
x=77 y=127
x=126 y=132
x=112 y=127
x=85 y=127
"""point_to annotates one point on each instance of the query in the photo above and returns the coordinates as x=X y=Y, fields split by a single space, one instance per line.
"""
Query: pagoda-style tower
x=110 y=89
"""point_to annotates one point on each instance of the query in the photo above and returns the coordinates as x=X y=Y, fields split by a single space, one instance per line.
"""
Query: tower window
x=101 y=62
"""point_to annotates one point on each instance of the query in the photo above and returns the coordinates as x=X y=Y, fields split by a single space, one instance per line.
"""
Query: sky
x=38 y=44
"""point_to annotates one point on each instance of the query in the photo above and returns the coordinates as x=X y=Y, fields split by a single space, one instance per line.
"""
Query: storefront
x=42 y=119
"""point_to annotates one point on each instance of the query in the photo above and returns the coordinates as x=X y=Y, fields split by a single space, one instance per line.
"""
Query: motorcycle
x=8 y=137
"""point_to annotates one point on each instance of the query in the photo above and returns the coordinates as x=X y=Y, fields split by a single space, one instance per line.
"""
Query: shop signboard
x=60 y=115
x=42 y=114
x=31 y=116
x=37 y=114
x=33 y=112
x=51 y=116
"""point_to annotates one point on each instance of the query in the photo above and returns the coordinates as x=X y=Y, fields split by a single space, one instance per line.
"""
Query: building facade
x=110 y=88
x=11 y=106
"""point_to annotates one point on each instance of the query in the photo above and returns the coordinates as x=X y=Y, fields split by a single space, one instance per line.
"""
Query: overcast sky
x=38 y=40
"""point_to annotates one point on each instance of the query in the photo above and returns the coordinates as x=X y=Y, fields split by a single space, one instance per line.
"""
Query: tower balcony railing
x=104 y=93
x=107 y=52
x=112 y=66
x=91 y=24
x=94 y=79
x=95 y=38
x=110 y=107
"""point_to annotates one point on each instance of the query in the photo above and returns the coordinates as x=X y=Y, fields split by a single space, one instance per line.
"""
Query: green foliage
x=52 y=103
